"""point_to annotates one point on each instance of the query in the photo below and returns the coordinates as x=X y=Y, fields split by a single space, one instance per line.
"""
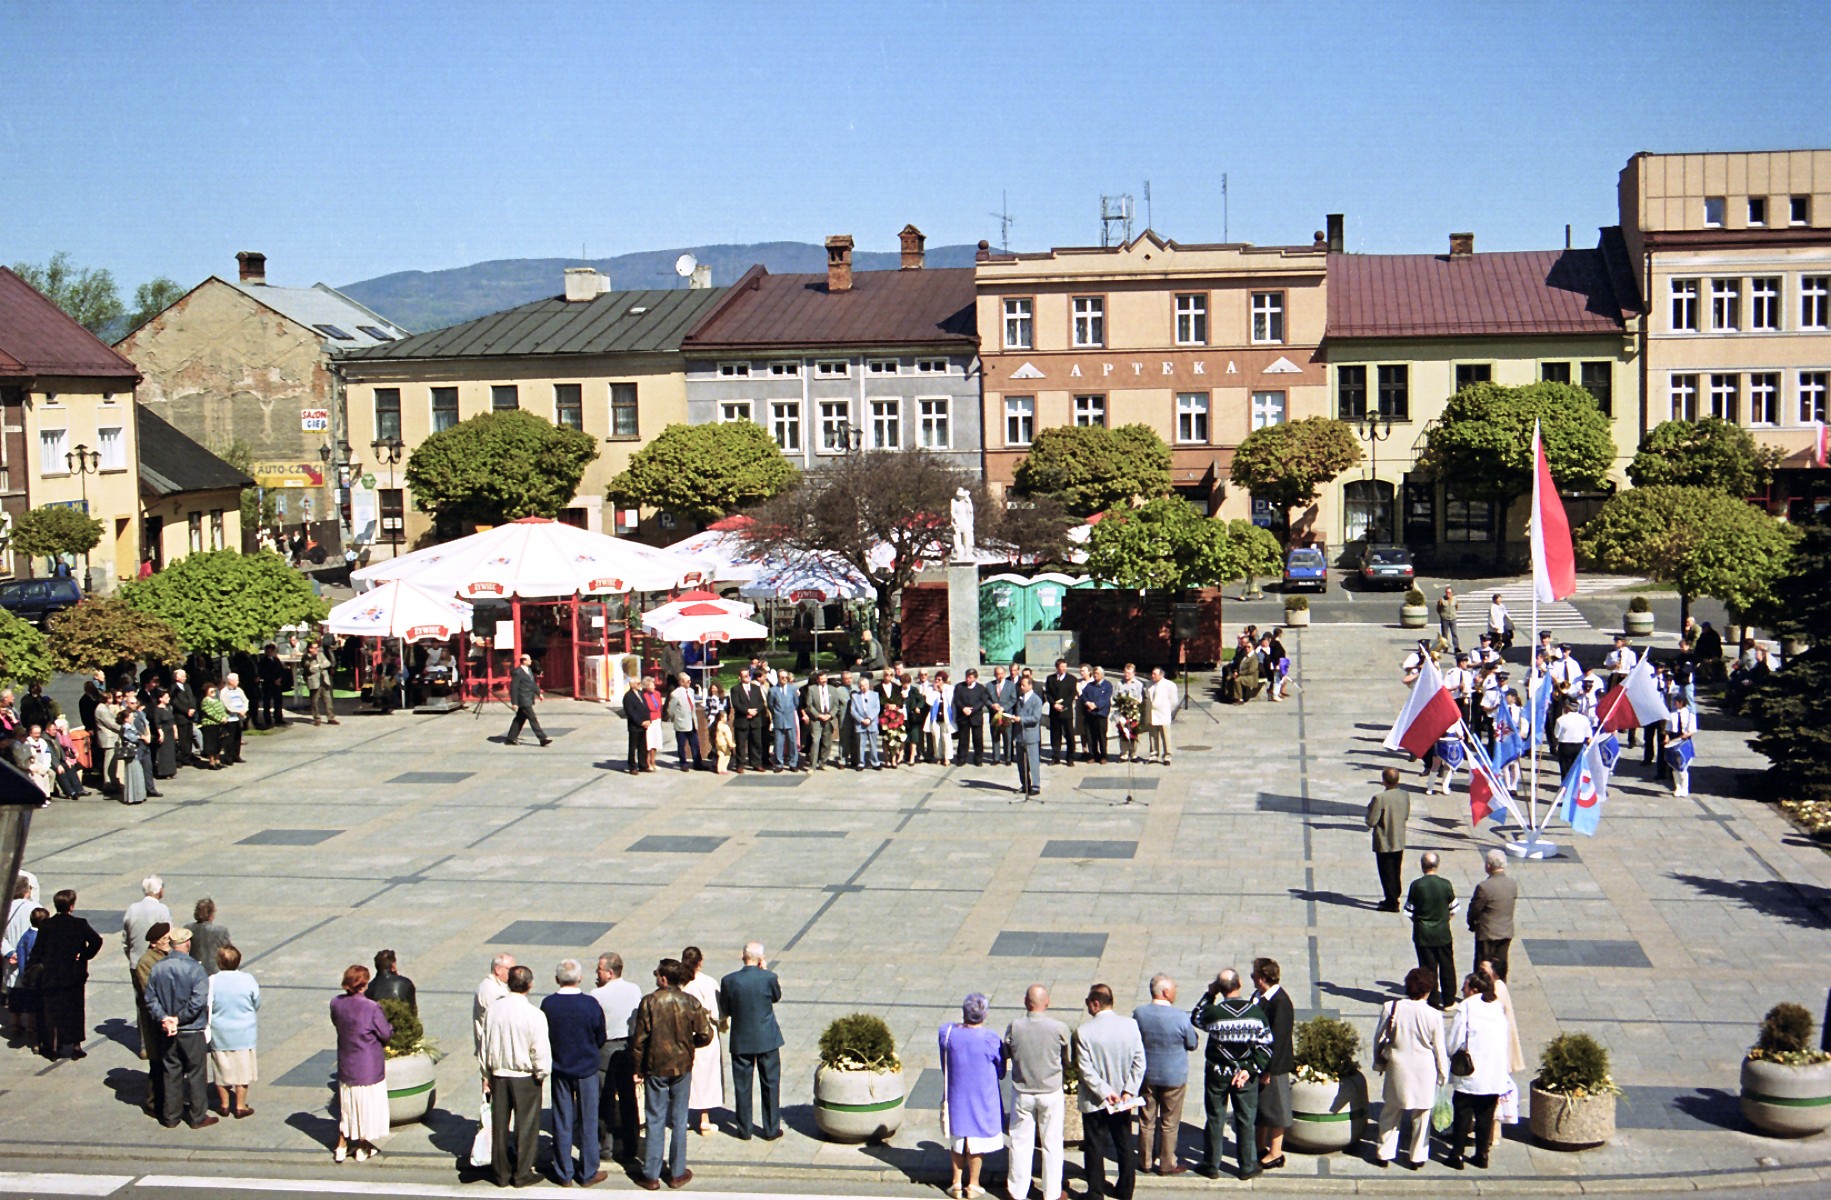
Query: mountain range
x=426 y=300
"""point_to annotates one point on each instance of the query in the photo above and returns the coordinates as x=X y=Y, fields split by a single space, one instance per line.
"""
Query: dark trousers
x=1441 y=962
x=517 y=1097
x=748 y=746
x=974 y=729
x=638 y=746
x=1474 y=1114
x=1390 y=864
x=1108 y=1135
x=1163 y=1117
x=666 y=1097
x=232 y=742
x=685 y=740
x=1494 y=951
x=1004 y=742
x=1061 y=730
x=1567 y=757
x=617 y=1114
x=1093 y=739
x=184 y=1059
x=575 y=1121
x=524 y=715
x=186 y=742
x=269 y=706
x=768 y=1068
x=152 y=1040
x=1216 y=1094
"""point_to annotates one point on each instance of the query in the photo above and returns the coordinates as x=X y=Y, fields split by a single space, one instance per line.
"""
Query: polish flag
x=1481 y=798
x=1635 y=703
x=1554 y=563
x=1428 y=714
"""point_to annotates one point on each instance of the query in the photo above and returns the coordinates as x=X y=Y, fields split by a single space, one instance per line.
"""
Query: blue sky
x=350 y=140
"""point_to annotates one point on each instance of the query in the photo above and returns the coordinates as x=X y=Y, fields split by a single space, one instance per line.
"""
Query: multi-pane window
x=1090 y=320
x=1470 y=374
x=1684 y=305
x=216 y=529
x=1813 y=389
x=734 y=370
x=196 y=531
x=1757 y=210
x=53 y=451
x=785 y=423
x=504 y=397
x=936 y=426
x=387 y=414
x=1192 y=319
x=785 y=370
x=883 y=366
x=886 y=424
x=111 y=449
x=735 y=410
x=1351 y=392
x=1395 y=392
x=393 y=505
x=1020 y=420
x=833 y=368
x=1713 y=212
x=1554 y=372
x=1090 y=410
x=1764 y=304
x=1267 y=409
x=1684 y=398
x=569 y=405
x=1814 y=301
x=1764 y=398
x=444 y=408
x=1020 y=324
x=1192 y=417
x=1725 y=396
x=623 y=422
x=835 y=425
x=1268 y=316
x=1726 y=304
x=1598 y=380
x=931 y=366
x=1467 y=520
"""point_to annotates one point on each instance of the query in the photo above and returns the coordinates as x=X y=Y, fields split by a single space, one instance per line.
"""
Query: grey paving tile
x=315 y=1072
x=755 y=779
x=432 y=777
x=801 y=833
x=1585 y=952
x=289 y=837
x=552 y=933
x=1642 y=1106
x=1017 y=943
x=925 y=1092
x=676 y=843
x=1118 y=783
x=1077 y=848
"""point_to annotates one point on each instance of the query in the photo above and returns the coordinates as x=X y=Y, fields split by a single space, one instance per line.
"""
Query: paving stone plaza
x=1667 y=936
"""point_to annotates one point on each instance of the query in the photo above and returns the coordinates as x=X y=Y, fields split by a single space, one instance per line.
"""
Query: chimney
x=584 y=284
x=1462 y=245
x=1336 y=240
x=912 y=248
x=984 y=253
x=839 y=263
x=701 y=278
x=253 y=266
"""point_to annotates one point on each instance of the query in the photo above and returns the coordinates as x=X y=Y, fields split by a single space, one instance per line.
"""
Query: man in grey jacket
x=1109 y=1053
x=1037 y=1045
x=1491 y=913
x=1387 y=814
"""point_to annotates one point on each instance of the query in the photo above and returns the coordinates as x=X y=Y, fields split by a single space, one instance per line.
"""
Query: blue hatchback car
x=1306 y=568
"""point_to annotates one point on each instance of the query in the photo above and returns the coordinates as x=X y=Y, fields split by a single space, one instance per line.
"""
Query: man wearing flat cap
x=178 y=997
x=158 y=945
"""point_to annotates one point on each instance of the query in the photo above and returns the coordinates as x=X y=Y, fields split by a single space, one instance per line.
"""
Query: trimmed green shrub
x=1639 y=604
x=1296 y=604
x=1327 y=1048
x=1415 y=598
x=409 y=1035
x=1786 y=1037
x=1575 y=1064
x=859 y=1042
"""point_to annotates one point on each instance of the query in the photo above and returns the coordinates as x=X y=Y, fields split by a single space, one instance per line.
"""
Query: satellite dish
x=683 y=266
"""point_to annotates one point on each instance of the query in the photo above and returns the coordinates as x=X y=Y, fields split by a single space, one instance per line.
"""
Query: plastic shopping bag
x=1443 y=1114
x=1508 y=1111
x=480 y=1145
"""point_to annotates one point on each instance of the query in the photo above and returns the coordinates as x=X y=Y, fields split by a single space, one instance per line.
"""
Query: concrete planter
x=1297 y=618
x=1326 y=1117
x=1784 y=1100
x=1793 y=647
x=411 y=1091
x=1413 y=616
x=1637 y=624
x=1571 y=1122
x=857 y=1106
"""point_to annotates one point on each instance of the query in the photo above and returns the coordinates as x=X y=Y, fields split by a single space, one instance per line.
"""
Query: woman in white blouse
x=940 y=727
x=1416 y=1066
x=1480 y=1030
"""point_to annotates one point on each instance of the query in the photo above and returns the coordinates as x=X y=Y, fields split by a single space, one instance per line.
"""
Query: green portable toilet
x=1003 y=616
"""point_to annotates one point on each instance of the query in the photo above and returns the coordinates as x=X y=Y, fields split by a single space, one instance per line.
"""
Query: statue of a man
x=962 y=507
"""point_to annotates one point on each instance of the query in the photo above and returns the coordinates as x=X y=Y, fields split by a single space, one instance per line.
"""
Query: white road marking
x=230 y=1184
x=47 y=1184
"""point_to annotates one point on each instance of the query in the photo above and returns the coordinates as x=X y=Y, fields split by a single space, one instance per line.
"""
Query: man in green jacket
x=1387 y=813
x=1431 y=902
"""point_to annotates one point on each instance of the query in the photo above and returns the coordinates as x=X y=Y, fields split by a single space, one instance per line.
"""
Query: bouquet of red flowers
x=891 y=731
x=1126 y=711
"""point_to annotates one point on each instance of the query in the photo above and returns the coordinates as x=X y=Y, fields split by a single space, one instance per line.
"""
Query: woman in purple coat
x=362 y=1086
x=972 y=1063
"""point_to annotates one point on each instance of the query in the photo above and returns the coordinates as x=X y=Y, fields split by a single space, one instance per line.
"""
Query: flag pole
x=1532 y=794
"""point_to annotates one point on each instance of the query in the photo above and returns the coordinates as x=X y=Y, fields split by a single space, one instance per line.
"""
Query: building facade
x=1203 y=343
x=877 y=360
x=1733 y=252
x=191 y=500
x=605 y=362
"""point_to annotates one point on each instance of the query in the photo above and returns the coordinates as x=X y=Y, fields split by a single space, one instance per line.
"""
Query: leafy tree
x=1789 y=706
x=1711 y=453
x=1288 y=464
x=260 y=507
x=1482 y=445
x=705 y=471
x=53 y=530
x=220 y=601
x=23 y=658
x=1167 y=544
x=152 y=298
x=1090 y=468
x=107 y=632
x=498 y=467
x=87 y=294
x=1251 y=551
x=1703 y=542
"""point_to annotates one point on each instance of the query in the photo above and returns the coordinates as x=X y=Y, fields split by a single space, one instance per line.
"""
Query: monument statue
x=962 y=507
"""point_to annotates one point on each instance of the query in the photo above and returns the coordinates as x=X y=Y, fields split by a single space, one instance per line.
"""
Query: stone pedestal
x=963 y=615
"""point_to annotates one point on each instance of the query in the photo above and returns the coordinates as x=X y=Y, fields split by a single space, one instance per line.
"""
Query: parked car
x=1386 y=566
x=37 y=600
x=1306 y=567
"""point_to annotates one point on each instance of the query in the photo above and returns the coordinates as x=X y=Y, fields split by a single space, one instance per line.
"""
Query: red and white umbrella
x=707 y=622
x=664 y=613
x=400 y=610
x=536 y=558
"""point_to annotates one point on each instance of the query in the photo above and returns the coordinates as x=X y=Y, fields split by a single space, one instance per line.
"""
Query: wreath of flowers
x=891 y=731
x=1127 y=709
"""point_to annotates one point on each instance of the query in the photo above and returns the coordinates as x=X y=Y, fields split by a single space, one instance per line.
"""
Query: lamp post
x=84 y=462
x=389 y=450
x=852 y=438
x=1374 y=429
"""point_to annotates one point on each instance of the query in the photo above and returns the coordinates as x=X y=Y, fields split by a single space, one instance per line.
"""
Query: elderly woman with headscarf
x=972 y=1063
x=66 y=764
x=38 y=755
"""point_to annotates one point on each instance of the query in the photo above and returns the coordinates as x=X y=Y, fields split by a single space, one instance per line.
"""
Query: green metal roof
x=613 y=323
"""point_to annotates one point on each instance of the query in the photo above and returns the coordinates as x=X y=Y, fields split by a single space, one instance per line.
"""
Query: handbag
x=946 y=1036
x=1462 y=1063
x=1382 y=1043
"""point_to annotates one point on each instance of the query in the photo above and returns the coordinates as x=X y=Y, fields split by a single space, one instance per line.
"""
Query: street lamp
x=389 y=450
x=1374 y=429
x=852 y=437
x=84 y=462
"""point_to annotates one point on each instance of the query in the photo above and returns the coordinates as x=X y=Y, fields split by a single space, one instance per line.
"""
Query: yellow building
x=1733 y=253
x=608 y=363
x=1203 y=343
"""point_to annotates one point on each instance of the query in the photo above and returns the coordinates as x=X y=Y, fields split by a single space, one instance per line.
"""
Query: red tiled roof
x=882 y=308
x=1434 y=295
x=39 y=338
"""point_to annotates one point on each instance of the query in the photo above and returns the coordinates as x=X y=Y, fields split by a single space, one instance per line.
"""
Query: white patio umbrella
x=536 y=558
x=708 y=623
x=400 y=610
x=822 y=578
x=667 y=612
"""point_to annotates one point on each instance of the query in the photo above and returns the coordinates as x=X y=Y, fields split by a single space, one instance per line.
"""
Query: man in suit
x=865 y=709
x=184 y=711
x=269 y=689
x=1059 y=692
x=970 y=703
x=636 y=718
x=1030 y=712
x=750 y=721
x=785 y=722
x=524 y=692
x=848 y=732
x=1491 y=913
x=748 y=996
x=1001 y=698
x=318 y=679
x=1096 y=707
x=1387 y=814
x=821 y=704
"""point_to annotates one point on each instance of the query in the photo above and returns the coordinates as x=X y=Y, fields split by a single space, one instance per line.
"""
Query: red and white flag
x=1554 y=563
x=1429 y=713
x=1635 y=703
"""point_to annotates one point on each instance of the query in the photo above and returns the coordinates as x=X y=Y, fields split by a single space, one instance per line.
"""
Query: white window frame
x=1764 y=398
x=1684 y=394
x=932 y=366
x=935 y=413
x=1087 y=322
x=111 y=450
x=886 y=429
x=1090 y=409
x=1262 y=409
x=1764 y=303
x=217 y=539
x=1725 y=396
x=1726 y=301
x=833 y=368
x=1815 y=302
x=1814 y=396
x=835 y=419
x=1715 y=209
x=1192 y=318
x=53 y=452
x=1020 y=323
x=1020 y=420
x=1684 y=311
x=457 y=413
x=786 y=370
x=1192 y=423
x=728 y=411
x=785 y=425
x=1268 y=318
x=734 y=370
x=883 y=366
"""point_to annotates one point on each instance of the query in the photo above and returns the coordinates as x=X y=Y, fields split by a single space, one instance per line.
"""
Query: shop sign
x=314 y=420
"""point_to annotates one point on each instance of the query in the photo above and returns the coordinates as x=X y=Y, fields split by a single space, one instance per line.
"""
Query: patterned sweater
x=1239 y=1037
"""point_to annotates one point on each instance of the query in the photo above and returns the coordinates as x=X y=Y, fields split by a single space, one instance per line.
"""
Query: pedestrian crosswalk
x=1561 y=614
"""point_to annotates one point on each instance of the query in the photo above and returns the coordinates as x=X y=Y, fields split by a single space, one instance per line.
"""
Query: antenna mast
x=1115 y=213
x=1226 y=232
x=1148 y=222
x=1005 y=221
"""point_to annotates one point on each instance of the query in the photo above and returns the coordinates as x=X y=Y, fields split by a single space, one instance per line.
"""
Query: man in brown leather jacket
x=669 y=1026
